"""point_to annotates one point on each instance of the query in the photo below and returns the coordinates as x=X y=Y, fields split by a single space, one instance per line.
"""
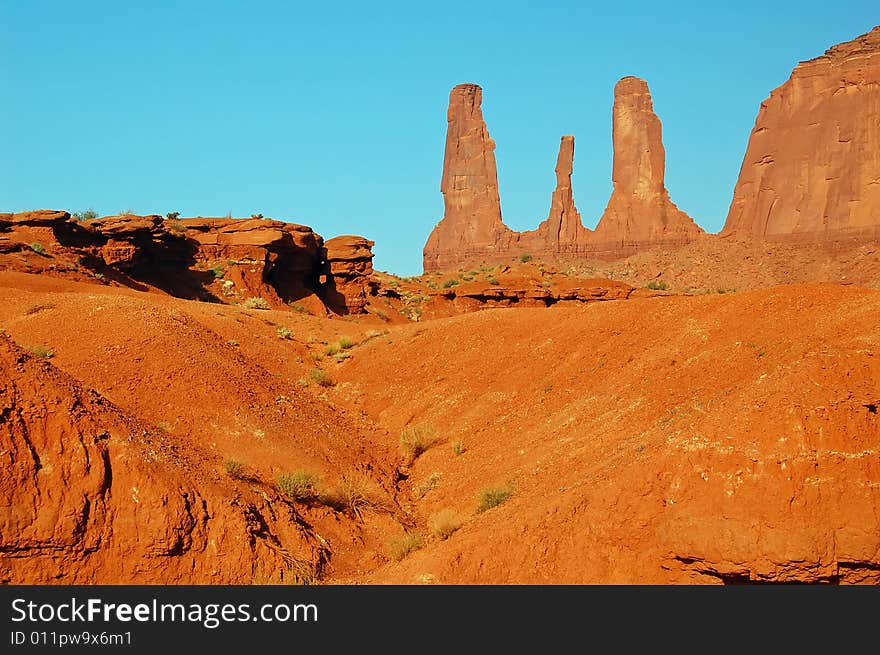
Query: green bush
x=256 y=303
x=38 y=248
x=493 y=496
x=657 y=285
x=451 y=282
x=235 y=469
x=299 y=485
x=284 y=332
x=87 y=215
x=320 y=377
x=525 y=258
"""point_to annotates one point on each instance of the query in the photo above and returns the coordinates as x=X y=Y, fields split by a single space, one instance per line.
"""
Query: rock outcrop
x=471 y=225
x=812 y=167
x=562 y=231
x=217 y=259
x=639 y=214
x=349 y=274
x=91 y=495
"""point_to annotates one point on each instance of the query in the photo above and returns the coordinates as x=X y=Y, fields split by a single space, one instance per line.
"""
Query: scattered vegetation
x=298 y=307
x=257 y=216
x=382 y=315
x=415 y=440
x=493 y=496
x=444 y=523
x=525 y=259
x=320 y=377
x=451 y=282
x=284 y=332
x=492 y=279
x=345 y=343
x=43 y=351
x=427 y=484
x=172 y=216
x=218 y=271
x=232 y=342
x=458 y=447
x=235 y=469
x=657 y=285
x=38 y=248
x=400 y=547
x=256 y=303
x=298 y=485
x=87 y=215
x=176 y=226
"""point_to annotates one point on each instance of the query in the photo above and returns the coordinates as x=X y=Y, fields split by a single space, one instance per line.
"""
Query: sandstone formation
x=639 y=214
x=218 y=259
x=812 y=168
x=562 y=231
x=477 y=295
x=471 y=225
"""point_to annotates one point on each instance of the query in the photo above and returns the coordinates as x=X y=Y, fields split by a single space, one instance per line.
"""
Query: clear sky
x=334 y=114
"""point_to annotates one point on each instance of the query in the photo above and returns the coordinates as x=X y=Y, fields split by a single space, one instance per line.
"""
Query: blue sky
x=335 y=115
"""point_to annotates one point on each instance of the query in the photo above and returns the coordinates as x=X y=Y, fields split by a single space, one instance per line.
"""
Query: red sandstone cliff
x=812 y=167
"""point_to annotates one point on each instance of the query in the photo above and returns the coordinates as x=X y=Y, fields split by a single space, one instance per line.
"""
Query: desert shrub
x=415 y=440
x=38 y=248
x=451 y=282
x=382 y=315
x=218 y=271
x=43 y=351
x=427 y=485
x=297 y=307
x=355 y=492
x=284 y=332
x=444 y=523
x=257 y=216
x=299 y=485
x=492 y=279
x=345 y=343
x=341 y=357
x=235 y=469
x=256 y=303
x=657 y=285
x=400 y=547
x=332 y=349
x=320 y=377
x=172 y=216
x=87 y=215
x=524 y=258
x=458 y=447
x=493 y=496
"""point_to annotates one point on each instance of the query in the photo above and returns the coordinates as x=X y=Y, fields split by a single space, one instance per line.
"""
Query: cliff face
x=639 y=214
x=472 y=219
x=218 y=259
x=812 y=167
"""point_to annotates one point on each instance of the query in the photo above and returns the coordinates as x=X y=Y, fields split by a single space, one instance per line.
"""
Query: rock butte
x=812 y=167
x=639 y=214
x=811 y=173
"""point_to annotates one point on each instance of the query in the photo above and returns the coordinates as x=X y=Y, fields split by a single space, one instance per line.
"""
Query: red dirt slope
x=723 y=438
